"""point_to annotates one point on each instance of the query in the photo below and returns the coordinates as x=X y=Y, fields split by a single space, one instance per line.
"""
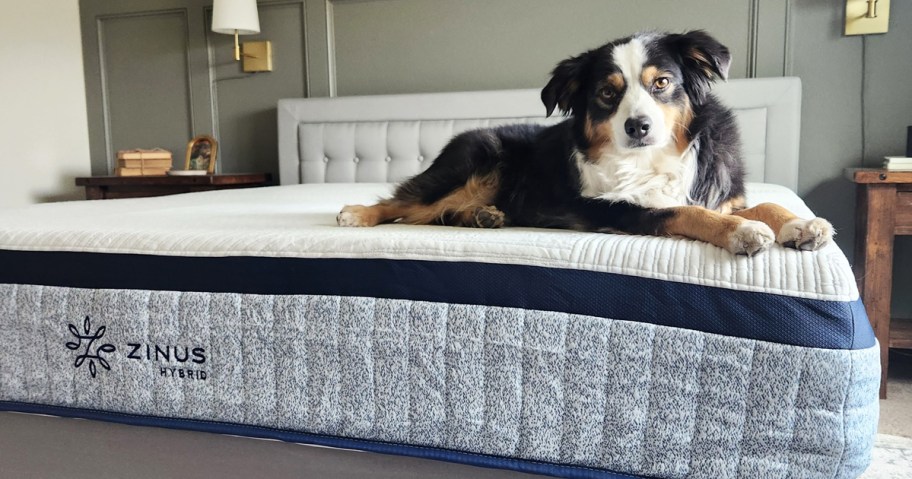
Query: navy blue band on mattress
x=483 y=460
x=762 y=316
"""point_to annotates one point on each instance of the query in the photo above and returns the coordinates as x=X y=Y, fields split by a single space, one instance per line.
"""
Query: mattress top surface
x=299 y=221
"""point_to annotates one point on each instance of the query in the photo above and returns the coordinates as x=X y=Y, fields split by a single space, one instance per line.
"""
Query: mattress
x=564 y=353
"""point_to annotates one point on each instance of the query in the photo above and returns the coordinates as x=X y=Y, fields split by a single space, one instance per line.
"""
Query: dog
x=646 y=149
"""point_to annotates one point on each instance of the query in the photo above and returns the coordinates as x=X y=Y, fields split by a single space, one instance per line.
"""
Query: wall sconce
x=239 y=17
x=864 y=17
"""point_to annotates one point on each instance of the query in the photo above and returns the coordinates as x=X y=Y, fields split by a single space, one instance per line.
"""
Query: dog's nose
x=637 y=127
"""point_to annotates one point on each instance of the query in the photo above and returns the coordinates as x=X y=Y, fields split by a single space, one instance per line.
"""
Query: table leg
x=874 y=262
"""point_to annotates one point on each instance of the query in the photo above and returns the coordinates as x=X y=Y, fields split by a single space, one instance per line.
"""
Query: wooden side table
x=884 y=210
x=112 y=187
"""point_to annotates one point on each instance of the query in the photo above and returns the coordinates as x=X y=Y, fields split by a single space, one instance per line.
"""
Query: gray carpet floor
x=896 y=410
x=891 y=459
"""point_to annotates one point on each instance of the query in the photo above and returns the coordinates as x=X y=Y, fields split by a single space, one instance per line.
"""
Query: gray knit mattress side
x=544 y=386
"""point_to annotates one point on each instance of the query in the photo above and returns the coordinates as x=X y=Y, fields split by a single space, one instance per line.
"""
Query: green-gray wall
x=155 y=75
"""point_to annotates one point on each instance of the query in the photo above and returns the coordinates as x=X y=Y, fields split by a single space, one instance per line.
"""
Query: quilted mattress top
x=299 y=221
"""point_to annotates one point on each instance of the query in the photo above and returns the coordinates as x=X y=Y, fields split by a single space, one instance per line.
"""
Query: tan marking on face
x=678 y=118
x=616 y=80
x=699 y=223
x=770 y=213
x=599 y=137
x=649 y=76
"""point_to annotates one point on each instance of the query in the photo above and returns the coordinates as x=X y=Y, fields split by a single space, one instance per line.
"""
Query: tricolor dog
x=647 y=149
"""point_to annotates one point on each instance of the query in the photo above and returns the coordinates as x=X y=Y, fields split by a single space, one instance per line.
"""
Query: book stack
x=898 y=163
x=154 y=162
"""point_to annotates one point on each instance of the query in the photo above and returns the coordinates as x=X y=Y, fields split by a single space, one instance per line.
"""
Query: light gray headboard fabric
x=388 y=138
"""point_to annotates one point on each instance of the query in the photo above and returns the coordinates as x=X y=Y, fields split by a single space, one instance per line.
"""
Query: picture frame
x=202 y=152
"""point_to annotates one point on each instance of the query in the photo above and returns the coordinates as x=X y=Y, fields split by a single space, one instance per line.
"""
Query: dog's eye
x=606 y=93
x=661 y=83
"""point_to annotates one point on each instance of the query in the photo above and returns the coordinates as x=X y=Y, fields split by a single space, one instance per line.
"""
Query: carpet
x=891 y=458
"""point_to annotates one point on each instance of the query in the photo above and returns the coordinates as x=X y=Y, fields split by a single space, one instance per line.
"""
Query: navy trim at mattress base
x=762 y=316
x=483 y=460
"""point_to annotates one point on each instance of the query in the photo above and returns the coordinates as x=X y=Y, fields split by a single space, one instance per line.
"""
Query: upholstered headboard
x=388 y=138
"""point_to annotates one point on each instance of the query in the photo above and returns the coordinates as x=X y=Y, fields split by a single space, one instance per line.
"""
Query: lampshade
x=229 y=16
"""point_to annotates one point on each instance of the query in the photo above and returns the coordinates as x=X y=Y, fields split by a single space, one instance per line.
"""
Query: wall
x=43 y=127
x=393 y=46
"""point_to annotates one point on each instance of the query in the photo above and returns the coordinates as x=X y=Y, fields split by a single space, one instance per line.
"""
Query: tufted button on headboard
x=388 y=138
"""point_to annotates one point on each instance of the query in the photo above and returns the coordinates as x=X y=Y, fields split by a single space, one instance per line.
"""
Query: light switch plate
x=857 y=22
x=257 y=56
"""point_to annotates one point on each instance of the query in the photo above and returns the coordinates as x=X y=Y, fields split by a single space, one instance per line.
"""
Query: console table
x=112 y=187
x=884 y=210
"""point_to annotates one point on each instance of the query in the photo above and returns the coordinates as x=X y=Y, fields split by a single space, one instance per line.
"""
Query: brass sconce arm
x=872 y=9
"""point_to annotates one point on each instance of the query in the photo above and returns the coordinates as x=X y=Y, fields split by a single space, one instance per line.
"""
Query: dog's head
x=637 y=92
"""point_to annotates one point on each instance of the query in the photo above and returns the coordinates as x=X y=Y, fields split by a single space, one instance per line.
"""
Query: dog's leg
x=733 y=233
x=791 y=231
x=461 y=181
x=468 y=205
x=384 y=212
x=736 y=234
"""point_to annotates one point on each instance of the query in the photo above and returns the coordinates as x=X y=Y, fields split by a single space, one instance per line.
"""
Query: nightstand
x=884 y=210
x=112 y=187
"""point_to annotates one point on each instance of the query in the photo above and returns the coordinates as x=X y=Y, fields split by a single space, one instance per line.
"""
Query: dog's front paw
x=750 y=238
x=489 y=217
x=352 y=215
x=805 y=235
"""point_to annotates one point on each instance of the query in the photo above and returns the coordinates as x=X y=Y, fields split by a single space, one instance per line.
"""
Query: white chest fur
x=653 y=178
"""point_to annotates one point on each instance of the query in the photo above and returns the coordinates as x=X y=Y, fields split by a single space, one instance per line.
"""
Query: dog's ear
x=566 y=80
x=703 y=60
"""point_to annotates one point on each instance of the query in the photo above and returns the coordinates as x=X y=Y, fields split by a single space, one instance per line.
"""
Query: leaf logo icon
x=88 y=354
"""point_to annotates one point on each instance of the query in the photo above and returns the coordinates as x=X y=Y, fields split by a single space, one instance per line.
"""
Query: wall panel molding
x=771 y=38
x=753 y=27
x=102 y=21
x=94 y=14
x=760 y=51
x=200 y=73
x=319 y=50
